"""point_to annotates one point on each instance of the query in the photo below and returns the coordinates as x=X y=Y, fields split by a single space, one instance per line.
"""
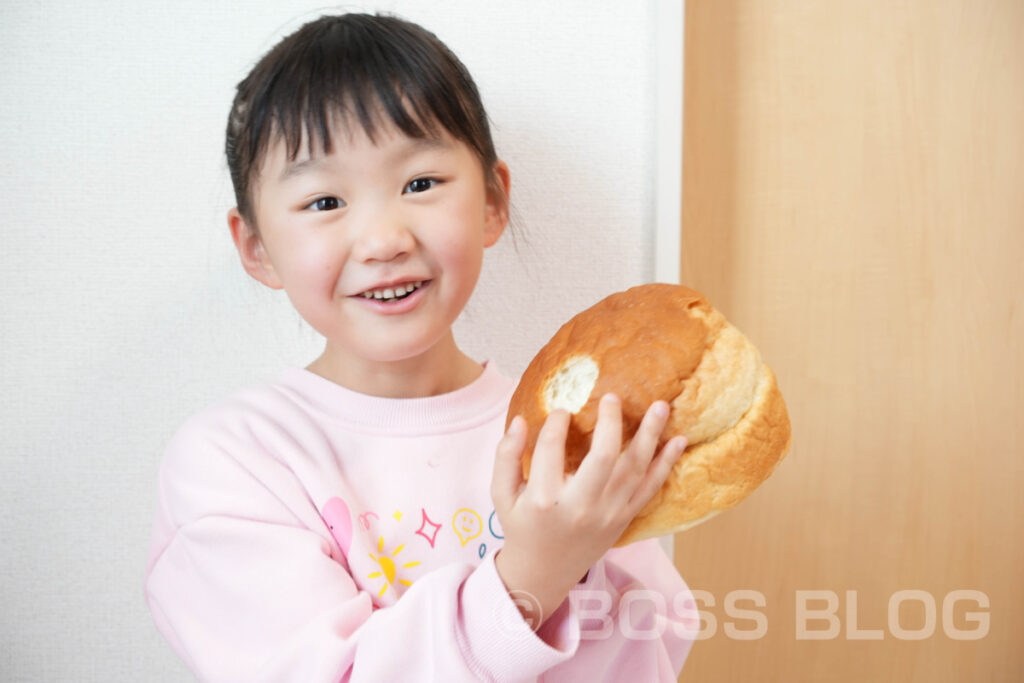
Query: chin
x=396 y=354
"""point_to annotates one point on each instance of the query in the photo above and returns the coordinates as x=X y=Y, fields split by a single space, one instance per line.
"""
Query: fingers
x=607 y=438
x=645 y=441
x=605 y=445
x=604 y=474
x=508 y=471
x=634 y=463
x=657 y=473
x=547 y=467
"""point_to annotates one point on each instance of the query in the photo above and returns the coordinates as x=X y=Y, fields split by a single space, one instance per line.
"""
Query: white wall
x=124 y=307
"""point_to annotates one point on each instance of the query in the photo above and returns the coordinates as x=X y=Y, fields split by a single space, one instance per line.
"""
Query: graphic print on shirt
x=494 y=525
x=468 y=525
x=383 y=572
x=365 y=519
x=388 y=569
x=425 y=524
x=339 y=521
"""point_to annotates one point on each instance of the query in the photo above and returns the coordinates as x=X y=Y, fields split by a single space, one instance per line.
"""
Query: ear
x=251 y=250
x=497 y=204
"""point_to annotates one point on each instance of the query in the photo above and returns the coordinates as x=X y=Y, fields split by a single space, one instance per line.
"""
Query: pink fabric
x=305 y=532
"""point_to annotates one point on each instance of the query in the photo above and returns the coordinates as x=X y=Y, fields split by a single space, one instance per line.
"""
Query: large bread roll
x=653 y=342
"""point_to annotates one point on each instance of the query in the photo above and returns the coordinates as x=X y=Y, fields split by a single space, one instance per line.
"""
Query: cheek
x=313 y=263
x=459 y=232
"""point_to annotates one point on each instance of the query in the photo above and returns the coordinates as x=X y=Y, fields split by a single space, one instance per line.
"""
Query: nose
x=382 y=234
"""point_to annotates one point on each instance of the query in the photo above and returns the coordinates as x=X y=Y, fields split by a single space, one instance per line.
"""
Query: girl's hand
x=558 y=525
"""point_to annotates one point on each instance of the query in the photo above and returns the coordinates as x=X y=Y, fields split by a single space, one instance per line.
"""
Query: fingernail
x=516 y=426
x=661 y=409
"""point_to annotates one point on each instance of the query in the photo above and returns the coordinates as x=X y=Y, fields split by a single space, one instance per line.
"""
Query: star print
x=425 y=523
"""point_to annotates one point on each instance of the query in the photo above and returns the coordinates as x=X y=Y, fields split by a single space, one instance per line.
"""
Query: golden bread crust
x=666 y=342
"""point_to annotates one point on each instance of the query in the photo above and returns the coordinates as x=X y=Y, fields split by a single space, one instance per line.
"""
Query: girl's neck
x=443 y=369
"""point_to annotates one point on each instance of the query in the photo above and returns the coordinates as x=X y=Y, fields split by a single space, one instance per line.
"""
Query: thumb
x=508 y=472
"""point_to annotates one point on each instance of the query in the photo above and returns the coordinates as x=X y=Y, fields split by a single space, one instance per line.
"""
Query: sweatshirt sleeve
x=245 y=588
x=635 y=618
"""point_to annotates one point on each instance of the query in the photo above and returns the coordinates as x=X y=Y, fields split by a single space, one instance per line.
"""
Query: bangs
x=344 y=72
x=348 y=70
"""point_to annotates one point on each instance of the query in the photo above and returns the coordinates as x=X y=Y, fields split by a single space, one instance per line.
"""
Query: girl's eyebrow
x=299 y=167
x=412 y=146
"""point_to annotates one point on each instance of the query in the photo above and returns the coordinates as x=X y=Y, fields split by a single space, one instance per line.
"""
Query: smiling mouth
x=390 y=294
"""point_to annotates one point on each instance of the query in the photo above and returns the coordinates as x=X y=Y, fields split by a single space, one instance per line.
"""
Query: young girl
x=364 y=518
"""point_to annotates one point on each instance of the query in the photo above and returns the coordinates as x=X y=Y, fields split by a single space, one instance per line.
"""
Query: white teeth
x=392 y=292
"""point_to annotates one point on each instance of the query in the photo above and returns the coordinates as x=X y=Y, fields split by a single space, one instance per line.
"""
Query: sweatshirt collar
x=477 y=402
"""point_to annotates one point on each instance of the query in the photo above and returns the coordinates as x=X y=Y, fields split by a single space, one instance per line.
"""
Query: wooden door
x=853 y=201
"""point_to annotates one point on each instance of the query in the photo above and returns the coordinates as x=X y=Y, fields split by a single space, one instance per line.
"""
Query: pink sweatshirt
x=306 y=532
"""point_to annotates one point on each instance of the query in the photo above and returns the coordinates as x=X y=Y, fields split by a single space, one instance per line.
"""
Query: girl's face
x=371 y=216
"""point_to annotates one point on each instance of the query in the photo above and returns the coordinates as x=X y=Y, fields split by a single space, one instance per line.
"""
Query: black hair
x=360 y=67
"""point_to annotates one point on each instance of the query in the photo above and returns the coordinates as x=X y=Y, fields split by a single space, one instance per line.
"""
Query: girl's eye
x=421 y=184
x=325 y=204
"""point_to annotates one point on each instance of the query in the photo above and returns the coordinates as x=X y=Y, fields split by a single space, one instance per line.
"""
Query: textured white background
x=125 y=308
